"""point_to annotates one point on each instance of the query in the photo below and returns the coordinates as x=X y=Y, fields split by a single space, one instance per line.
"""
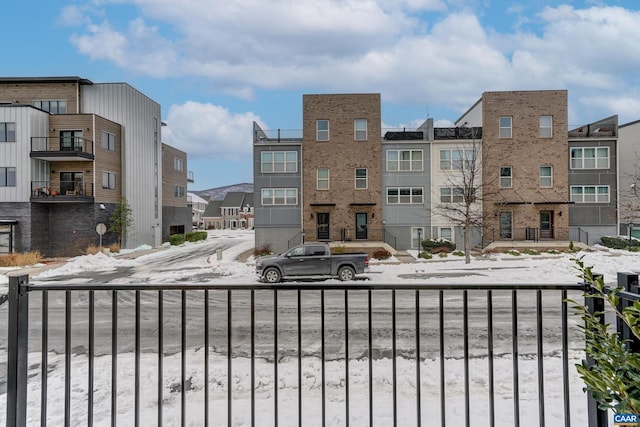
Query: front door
x=71 y=140
x=546 y=224
x=361 y=226
x=322 y=226
x=506 y=224
x=70 y=183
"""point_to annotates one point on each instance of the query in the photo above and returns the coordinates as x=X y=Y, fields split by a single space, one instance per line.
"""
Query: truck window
x=299 y=251
x=315 y=250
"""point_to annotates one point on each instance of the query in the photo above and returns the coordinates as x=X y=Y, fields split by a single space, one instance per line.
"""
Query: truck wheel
x=346 y=273
x=272 y=275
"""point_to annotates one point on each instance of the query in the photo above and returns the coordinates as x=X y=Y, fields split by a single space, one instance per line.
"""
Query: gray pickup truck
x=311 y=260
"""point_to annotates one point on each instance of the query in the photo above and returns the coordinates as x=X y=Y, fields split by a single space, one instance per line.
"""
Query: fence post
x=17 y=351
x=595 y=416
x=629 y=283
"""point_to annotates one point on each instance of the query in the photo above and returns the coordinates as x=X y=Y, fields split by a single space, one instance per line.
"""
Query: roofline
x=635 y=122
x=63 y=79
x=468 y=110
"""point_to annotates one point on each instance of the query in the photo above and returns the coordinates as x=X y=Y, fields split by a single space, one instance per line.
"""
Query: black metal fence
x=293 y=354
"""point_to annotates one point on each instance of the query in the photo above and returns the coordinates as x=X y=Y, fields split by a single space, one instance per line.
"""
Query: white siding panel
x=136 y=112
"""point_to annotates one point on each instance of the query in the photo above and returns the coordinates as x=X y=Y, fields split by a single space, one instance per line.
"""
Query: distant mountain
x=219 y=192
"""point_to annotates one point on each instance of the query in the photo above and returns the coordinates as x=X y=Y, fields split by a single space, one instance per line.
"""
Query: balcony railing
x=306 y=353
x=62 y=191
x=534 y=234
x=57 y=147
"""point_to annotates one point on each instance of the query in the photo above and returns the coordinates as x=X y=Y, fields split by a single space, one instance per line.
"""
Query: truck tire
x=346 y=273
x=272 y=275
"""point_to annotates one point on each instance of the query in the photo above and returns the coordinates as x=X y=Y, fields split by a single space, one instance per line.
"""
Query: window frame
x=360 y=179
x=108 y=141
x=5 y=176
x=545 y=130
x=457 y=160
x=596 y=194
x=544 y=178
x=178 y=164
x=451 y=237
x=504 y=131
x=289 y=196
x=405 y=193
x=322 y=132
x=320 y=179
x=107 y=185
x=6 y=133
x=451 y=195
x=582 y=159
x=286 y=162
x=505 y=177
x=358 y=132
x=411 y=162
x=178 y=191
x=39 y=103
x=415 y=241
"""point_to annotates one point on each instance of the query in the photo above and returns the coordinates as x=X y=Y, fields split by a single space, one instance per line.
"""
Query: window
x=7 y=177
x=279 y=162
x=360 y=129
x=108 y=141
x=279 y=196
x=546 y=126
x=457 y=159
x=178 y=164
x=404 y=160
x=446 y=233
x=178 y=191
x=590 y=158
x=322 y=179
x=590 y=193
x=505 y=177
x=7 y=132
x=52 y=106
x=505 y=127
x=410 y=195
x=546 y=176
x=109 y=180
x=362 y=181
x=451 y=195
x=322 y=130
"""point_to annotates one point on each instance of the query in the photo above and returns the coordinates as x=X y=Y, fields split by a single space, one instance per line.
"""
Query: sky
x=217 y=66
x=490 y=268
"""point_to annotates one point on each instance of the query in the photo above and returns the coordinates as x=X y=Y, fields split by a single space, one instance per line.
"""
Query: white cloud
x=208 y=131
x=412 y=51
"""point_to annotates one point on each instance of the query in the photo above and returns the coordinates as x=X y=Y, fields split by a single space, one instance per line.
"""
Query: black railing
x=372 y=354
x=62 y=144
x=45 y=190
x=535 y=234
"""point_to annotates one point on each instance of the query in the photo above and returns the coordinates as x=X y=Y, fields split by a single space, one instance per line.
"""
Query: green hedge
x=437 y=245
x=194 y=236
x=618 y=242
x=176 y=239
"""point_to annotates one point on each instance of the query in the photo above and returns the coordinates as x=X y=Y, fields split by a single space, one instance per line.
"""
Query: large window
x=445 y=233
x=109 y=180
x=7 y=132
x=362 y=181
x=178 y=191
x=546 y=176
x=360 y=129
x=7 y=177
x=322 y=130
x=409 y=195
x=404 y=160
x=590 y=193
x=451 y=195
x=457 y=159
x=506 y=177
x=279 y=196
x=56 y=106
x=279 y=162
x=322 y=179
x=108 y=141
x=590 y=158
x=505 y=126
x=546 y=127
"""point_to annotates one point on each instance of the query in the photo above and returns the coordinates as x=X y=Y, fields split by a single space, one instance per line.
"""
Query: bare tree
x=464 y=178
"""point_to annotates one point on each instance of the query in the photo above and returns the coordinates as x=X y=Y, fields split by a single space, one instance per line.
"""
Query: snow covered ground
x=497 y=268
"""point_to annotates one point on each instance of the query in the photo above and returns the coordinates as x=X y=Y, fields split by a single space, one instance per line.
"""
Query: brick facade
x=342 y=154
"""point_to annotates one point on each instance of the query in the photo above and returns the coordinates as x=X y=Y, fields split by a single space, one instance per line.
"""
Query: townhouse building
x=198 y=207
x=176 y=212
x=511 y=154
x=70 y=150
x=629 y=179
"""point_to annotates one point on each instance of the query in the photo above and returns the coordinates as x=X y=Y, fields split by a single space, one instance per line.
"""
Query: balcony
x=62 y=192
x=62 y=149
x=191 y=177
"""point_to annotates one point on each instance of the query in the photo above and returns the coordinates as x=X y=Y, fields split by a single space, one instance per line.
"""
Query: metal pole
x=17 y=337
